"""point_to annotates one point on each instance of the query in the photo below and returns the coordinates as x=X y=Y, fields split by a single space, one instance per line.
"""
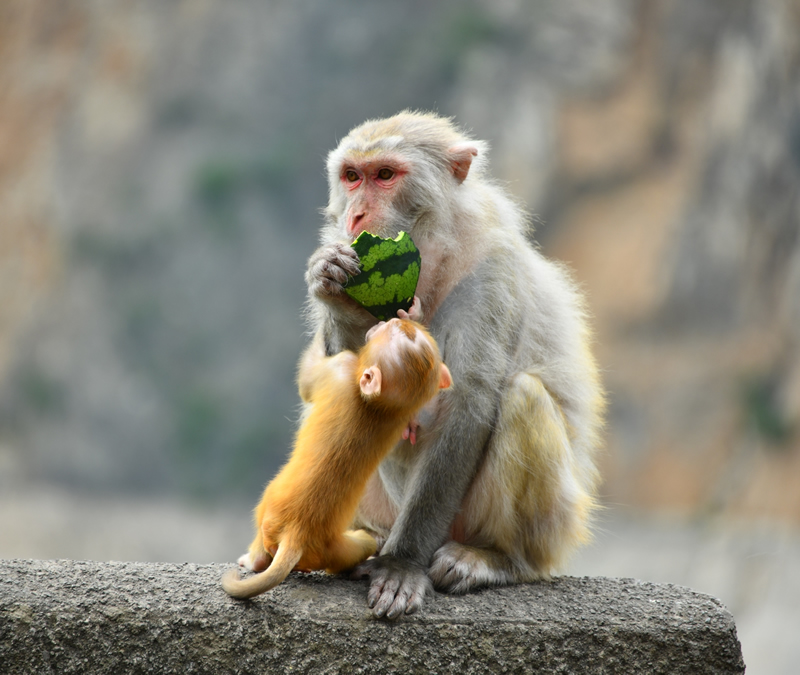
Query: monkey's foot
x=457 y=568
x=251 y=564
x=397 y=586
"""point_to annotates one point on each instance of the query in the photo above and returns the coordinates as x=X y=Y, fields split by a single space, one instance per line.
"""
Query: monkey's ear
x=445 y=378
x=370 y=381
x=461 y=159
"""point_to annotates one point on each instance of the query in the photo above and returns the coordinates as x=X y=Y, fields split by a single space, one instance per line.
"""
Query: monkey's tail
x=284 y=561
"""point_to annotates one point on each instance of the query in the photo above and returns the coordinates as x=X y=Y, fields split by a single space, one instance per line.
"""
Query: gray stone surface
x=73 y=617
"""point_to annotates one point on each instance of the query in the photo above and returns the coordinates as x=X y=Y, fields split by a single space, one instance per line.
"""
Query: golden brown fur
x=360 y=405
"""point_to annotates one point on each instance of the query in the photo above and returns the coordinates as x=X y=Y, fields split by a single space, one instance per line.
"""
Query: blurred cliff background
x=161 y=175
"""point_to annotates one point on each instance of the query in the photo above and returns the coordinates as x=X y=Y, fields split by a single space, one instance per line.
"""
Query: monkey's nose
x=356 y=225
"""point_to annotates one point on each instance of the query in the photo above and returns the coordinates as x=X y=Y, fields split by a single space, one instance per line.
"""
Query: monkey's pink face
x=370 y=185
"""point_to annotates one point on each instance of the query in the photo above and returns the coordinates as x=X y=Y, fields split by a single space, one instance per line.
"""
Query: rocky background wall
x=161 y=173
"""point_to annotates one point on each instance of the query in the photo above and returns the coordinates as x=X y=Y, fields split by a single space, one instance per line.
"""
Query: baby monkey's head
x=400 y=365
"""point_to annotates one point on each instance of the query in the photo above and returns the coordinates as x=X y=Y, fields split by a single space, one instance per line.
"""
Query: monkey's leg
x=352 y=548
x=376 y=512
x=258 y=556
x=529 y=504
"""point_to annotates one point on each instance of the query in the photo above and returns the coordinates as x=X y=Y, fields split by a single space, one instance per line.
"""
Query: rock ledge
x=76 y=617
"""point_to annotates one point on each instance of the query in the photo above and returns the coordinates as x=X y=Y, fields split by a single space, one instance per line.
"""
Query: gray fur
x=512 y=312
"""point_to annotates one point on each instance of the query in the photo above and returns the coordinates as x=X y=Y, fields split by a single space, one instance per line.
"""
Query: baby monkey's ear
x=445 y=378
x=370 y=382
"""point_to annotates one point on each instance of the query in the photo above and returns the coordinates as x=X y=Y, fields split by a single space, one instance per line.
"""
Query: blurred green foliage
x=219 y=181
x=466 y=28
x=199 y=420
x=763 y=411
x=42 y=392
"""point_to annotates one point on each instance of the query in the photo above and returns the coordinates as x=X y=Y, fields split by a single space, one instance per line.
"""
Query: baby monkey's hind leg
x=349 y=550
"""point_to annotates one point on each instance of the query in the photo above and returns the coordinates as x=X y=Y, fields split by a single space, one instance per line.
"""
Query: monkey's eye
x=351 y=176
x=385 y=174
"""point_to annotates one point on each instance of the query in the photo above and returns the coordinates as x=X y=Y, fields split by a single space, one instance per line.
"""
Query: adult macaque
x=500 y=484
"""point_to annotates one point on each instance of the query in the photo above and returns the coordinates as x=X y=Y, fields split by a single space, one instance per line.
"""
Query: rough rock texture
x=72 y=617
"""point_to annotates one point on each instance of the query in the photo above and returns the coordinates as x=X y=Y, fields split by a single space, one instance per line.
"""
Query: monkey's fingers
x=326 y=277
x=415 y=311
x=397 y=587
x=382 y=596
x=334 y=272
x=330 y=267
x=339 y=255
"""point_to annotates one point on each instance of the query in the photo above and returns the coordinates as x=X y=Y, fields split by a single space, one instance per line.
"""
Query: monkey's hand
x=328 y=269
x=414 y=312
x=397 y=586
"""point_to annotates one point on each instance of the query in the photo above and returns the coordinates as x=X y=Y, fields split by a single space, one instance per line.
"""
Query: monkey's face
x=372 y=184
x=392 y=175
x=378 y=184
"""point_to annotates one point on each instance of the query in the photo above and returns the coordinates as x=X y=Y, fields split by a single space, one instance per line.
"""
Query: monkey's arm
x=448 y=463
x=451 y=447
x=308 y=371
x=315 y=365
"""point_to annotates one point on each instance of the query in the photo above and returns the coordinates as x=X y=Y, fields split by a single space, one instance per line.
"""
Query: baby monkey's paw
x=414 y=312
x=251 y=563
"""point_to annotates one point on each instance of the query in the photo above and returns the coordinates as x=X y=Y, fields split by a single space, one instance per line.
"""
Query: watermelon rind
x=389 y=274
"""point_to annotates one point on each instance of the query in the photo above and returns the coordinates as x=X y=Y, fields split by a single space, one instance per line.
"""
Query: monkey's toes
x=397 y=587
x=457 y=569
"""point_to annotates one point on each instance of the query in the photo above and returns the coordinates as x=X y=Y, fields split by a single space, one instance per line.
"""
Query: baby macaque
x=360 y=405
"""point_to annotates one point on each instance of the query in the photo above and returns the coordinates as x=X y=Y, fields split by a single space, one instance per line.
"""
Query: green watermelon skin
x=389 y=274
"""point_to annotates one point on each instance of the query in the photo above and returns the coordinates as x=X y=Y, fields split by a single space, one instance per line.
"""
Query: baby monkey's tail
x=286 y=557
